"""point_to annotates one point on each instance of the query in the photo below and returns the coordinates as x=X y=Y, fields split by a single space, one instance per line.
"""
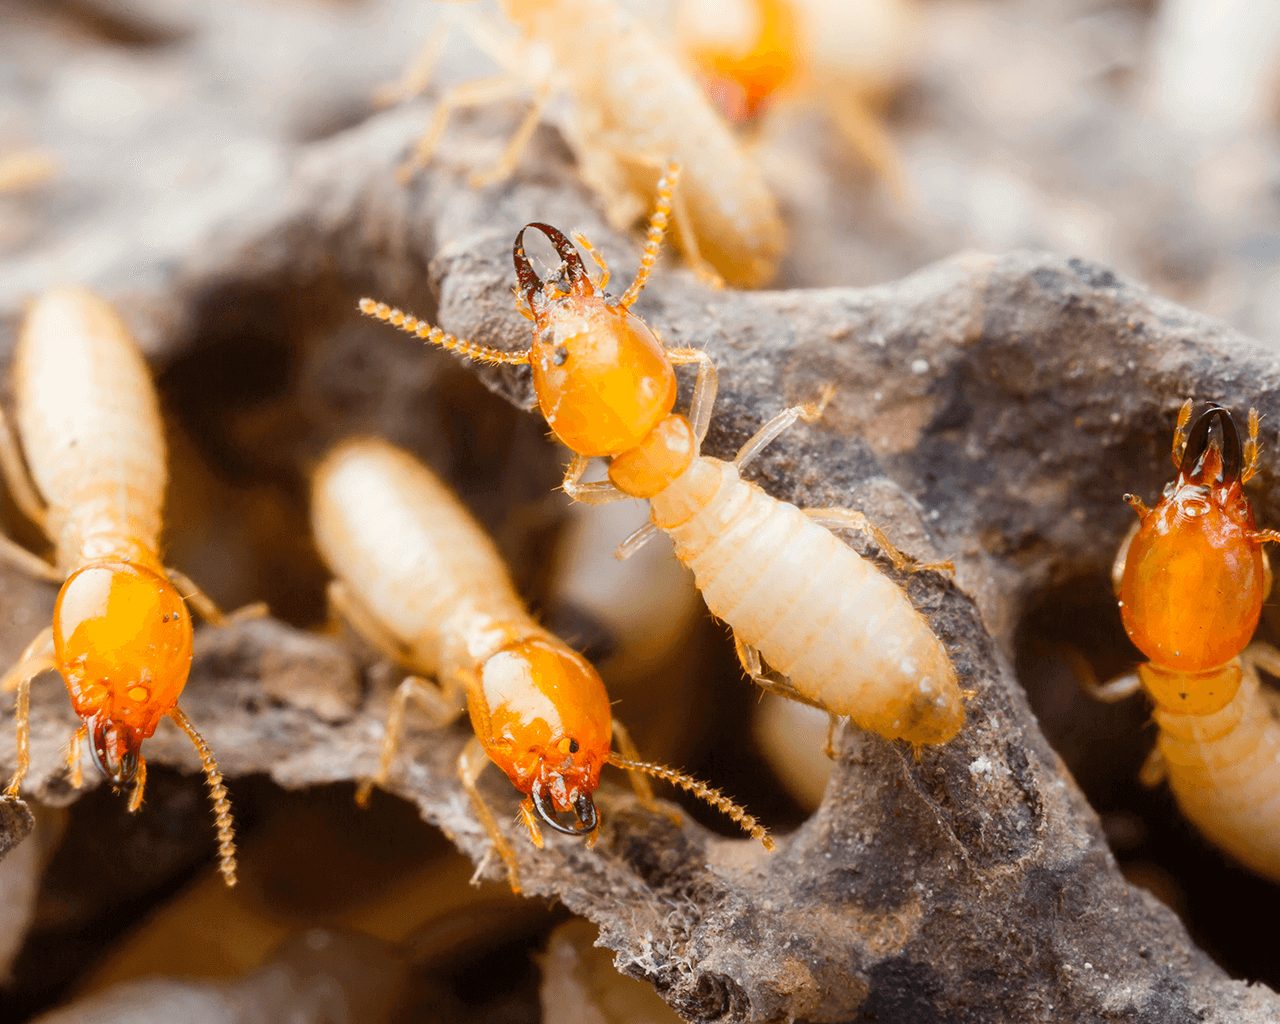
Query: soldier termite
x=834 y=631
x=633 y=106
x=1190 y=580
x=420 y=580
x=121 y=638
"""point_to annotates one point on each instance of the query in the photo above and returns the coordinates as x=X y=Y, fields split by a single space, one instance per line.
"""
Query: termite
x=1190 y=579
x=823 y=52
x=93 y=480
x=419 y=579
x=833 y=630
x=633 y=106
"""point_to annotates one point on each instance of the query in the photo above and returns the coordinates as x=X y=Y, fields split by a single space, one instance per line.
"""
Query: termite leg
x=851 y=519
x=705 y=385
x=1252 y=450
x=770 y=431
x=27 y=562
x=344 y=607
x=870 y=139
x=223 y=821
x=833 y=723
x=510 y=158
x=418 y=76
x=753 y=665
x=1265 y=536
x=639 y=781
x=638 y=539
x=1153 y=770
x=438 y=705
x=1180 y=433
x=597 y=257
x=207 y=608
x=139 y=786
x=471 y=762
x=74 y=769
x=35 y=659
x=17 y=477
x=468 y=94
x=530 y=821
x=598 y=492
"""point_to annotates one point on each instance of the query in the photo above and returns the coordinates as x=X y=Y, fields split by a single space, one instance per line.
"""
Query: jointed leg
x=581 y=240
x=1252 y=450
x=478 y=93
x=767 y=434
x=598 y=492
x=139 y=786
x=510 y=158
x=753 y=665
x=442 y=713
x=26 y=562
x=870 y=139
x=1180 y=433
x=688 y=237
x=74 y=769
x=639 y=781
x=1265 y=536
x=705 y=385
x=638 y=539
x=850 y=519
x=344 y=607
x=471 y=762
x=1153 y=770
x=16 y=476
x=207 y=608
x=35 y=659
x=415 y=80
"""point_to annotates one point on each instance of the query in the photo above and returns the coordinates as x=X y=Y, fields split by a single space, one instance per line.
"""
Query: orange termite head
x=122 y=641
x=743 y=76
x=546 y=722
x=602 y=377
x=1194 y=577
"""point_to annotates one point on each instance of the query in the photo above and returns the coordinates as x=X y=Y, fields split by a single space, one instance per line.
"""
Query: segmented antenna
x=707 y=793
x=217 y=795
x=410 y=324
x=658 y=221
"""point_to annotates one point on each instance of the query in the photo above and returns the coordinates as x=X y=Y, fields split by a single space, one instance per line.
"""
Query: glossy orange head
x=1194 y=578
x=122 y=641
x=546 y=723
x=742 y=79
x=602 y=376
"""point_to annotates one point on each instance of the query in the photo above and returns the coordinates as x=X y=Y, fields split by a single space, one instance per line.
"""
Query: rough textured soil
x=989 y=409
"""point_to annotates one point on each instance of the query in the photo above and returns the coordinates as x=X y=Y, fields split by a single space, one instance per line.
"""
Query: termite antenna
x=217 y=794
x=658 y=222
x=709 y=794
x=410 y=324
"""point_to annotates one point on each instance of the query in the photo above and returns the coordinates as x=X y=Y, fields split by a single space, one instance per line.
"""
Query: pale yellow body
x=634 y=108
x=413 y=560
x=844 y=634
x=91 y=431
x=1224 y=768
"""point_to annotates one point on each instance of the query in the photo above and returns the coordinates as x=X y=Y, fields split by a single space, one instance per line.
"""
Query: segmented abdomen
x=411 y=555
x=844 y=633
x=91 y=430
x=1224 y=771
x=632 y=95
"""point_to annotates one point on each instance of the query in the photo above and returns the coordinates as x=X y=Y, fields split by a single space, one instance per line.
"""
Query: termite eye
x=573 y=746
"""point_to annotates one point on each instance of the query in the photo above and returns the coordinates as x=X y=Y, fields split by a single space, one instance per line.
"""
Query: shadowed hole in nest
x=266 y=388
x=1104 y=746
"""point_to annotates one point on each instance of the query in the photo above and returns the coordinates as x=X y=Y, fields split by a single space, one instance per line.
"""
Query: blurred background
x=1142 y=134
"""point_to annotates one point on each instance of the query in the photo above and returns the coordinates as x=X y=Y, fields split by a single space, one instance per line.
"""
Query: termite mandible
x=833 y=630
x=1190 y=579
x=121 y=637
x=420 y=580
